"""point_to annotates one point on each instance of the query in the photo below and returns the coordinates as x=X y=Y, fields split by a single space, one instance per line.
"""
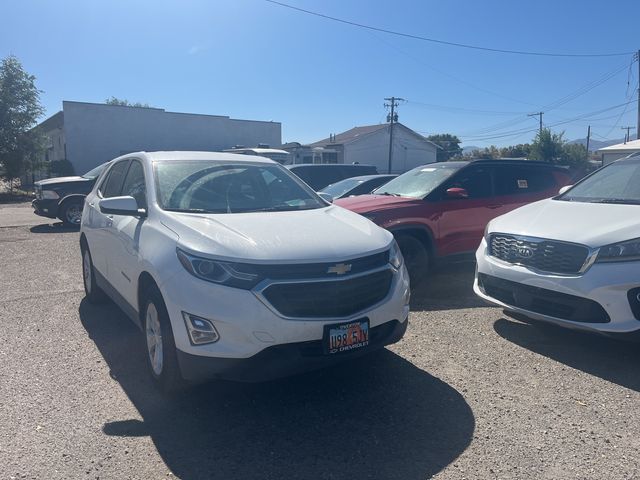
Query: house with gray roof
x=368 y=145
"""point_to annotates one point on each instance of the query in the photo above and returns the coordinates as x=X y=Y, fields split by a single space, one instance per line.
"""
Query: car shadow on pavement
x=57 y=227
x=613 y=360
x=448 y=287
x=376 y=417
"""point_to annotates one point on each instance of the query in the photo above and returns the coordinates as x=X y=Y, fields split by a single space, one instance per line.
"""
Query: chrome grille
x=539 y=253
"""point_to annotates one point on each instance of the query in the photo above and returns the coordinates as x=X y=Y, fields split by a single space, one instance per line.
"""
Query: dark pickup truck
x=63 y=197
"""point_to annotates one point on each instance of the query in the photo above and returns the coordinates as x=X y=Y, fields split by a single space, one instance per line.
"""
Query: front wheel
x=162 y=359
x=91 y=289
x=71 y=212
x=416 y=258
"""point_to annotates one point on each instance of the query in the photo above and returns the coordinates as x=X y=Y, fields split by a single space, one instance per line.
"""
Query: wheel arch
x=420 y=232
x=145 y=282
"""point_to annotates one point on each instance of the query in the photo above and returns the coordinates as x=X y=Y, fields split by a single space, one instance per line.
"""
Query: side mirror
x=564 y=189
x=457 y=192
x=326 y=197
x=121 y=206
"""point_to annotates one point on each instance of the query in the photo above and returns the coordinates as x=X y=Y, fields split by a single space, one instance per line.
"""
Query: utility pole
x=537 y=114
x=627 y=137
x=392 y=118
x=638 y=119
x=588 y=139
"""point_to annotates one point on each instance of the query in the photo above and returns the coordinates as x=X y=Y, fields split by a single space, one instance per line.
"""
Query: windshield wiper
x=389 y=194
x=193 y=210
x=621 y=201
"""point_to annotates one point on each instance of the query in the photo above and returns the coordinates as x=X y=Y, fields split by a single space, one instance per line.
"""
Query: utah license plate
x=345 y=337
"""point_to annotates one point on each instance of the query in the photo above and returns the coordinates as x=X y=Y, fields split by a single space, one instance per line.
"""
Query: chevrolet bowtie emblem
x=340 y=268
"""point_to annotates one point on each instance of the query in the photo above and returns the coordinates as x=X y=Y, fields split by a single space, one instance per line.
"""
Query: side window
x=522 y=180
x=112 y=185
x=476 y=181
x=134 y=185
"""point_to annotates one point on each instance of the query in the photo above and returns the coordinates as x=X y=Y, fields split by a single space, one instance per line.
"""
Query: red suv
x=441 y=209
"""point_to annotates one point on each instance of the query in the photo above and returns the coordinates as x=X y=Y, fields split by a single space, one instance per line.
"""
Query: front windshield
x=618 y=182
x=91 y=174
x=209 y=186
x=338 y=189
x=419 y=182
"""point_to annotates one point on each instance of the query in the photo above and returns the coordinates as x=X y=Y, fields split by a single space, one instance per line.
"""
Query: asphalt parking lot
x=468 y=393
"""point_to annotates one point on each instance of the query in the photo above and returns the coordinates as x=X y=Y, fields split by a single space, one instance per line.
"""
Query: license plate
x=345 y=337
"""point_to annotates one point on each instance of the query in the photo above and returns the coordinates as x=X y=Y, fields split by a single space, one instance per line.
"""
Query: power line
x=519 y=132
x=444 y=42
x=447 y=108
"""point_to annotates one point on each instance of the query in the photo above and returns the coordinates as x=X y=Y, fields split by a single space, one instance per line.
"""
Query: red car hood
x=373 y=203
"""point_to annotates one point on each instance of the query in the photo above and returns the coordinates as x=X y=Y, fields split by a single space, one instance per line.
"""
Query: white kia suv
x=234 y=268
x=572 y=260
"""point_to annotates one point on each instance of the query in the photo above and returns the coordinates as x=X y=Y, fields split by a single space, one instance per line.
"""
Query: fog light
x=200 y=330
x=633 y=296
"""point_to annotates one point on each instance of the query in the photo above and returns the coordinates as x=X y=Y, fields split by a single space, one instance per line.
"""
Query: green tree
x=487 y=153
x=20 y=109
x=123 y=102
x=574 y=155
x=522 y=150
x=548 y=146
x=449 y=146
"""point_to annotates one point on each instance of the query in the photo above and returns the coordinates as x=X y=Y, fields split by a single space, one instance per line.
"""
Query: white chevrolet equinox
x=234 y=268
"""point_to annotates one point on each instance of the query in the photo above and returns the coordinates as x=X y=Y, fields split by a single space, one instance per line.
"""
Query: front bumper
x=248 y=327
x=604 y=284
x=45 y=208
x=283 y=360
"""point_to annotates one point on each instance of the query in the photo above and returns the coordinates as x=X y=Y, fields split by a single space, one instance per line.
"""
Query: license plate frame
x=357 y=336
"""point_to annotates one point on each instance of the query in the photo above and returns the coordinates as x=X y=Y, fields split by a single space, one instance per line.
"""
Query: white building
x=88 y=134
x=614 y=152
x=369 y=145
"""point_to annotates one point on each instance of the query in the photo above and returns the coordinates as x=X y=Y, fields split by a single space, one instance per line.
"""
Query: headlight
x=620 y=252
x=224 y=273
x=50 y=195
x=395 y=256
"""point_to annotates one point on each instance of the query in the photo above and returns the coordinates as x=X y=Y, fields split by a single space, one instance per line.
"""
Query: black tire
x=91 y=289
x=71 y=212
x=167 y=377
x=416 y=258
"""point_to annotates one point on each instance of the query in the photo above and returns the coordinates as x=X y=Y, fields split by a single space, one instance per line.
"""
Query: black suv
x=63 y=197
x=319 y=176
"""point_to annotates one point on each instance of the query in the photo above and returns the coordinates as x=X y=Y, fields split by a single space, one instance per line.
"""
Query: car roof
x=193 y=155
x=513 y=161
x=329 y=165
x=364 y=178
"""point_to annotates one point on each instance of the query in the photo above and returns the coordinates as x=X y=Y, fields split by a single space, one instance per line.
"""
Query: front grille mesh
x=541 y=254
x=329 y=299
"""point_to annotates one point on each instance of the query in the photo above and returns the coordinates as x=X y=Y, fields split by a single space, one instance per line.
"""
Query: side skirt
x=118 y=299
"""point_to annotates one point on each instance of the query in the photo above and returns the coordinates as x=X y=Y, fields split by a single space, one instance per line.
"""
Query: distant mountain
x=596 y=144
x=470 y=149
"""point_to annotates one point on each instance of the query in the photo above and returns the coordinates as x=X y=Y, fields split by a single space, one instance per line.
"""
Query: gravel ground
x=468 y=393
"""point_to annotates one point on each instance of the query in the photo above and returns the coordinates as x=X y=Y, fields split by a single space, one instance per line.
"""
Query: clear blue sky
x=255 y=60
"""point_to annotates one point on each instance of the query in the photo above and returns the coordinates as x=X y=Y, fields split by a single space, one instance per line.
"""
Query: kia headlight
x=620 y=252
x=395 y=256
x=236 y=275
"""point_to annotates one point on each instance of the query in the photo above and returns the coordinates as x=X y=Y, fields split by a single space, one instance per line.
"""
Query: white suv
x=573 y=260
x=234 y=268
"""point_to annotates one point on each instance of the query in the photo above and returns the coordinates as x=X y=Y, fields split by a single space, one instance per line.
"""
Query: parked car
x=571 y=260
x=319 y=176
x=440 y=210
x=63 y=197
x=354 y=186
x=234 y=268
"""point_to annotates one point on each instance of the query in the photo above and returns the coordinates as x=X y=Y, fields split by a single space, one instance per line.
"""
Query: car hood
x=60 y=180
x=373 y=203
x=592 y=224
x=320 y=235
